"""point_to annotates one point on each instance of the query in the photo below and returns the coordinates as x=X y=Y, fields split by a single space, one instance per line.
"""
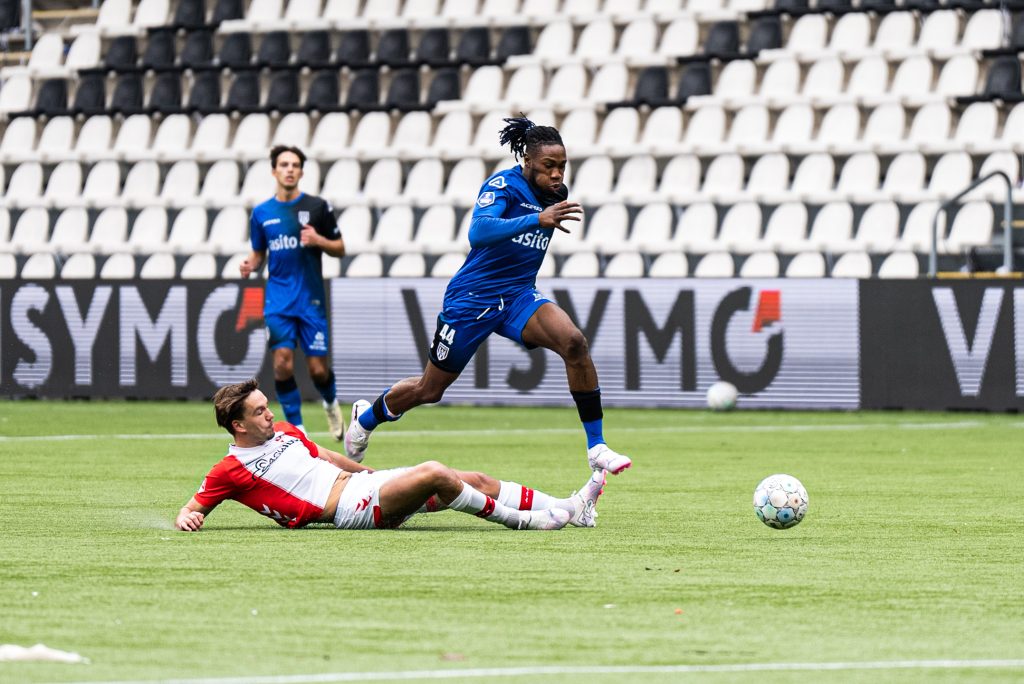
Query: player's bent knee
x=576 y=347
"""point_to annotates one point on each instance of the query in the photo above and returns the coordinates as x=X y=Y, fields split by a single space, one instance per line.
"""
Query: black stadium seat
x=205 y=95
x=10 y=14
x=236 y=51
x=445 y=86
x=354 y=49
x=244 y=93
x=651 y=89
x=1002 y=82
x=51 y=100
x=435 y=48
x=404 y=91
x=122 y=54
x=225 y=10
x=765 y=34
x=324 y=94
x=165 y=98
x=474 y=46
x=91 y=95
x=723 y=39
x=197 y=53
x=127 y=98
x=515 y=40
x=275 y=50
x=190 y=14
x=314 y=50
x=283 y=95
x=159 y=53
x=393 y=48
x=364 y=91
x=694 y=80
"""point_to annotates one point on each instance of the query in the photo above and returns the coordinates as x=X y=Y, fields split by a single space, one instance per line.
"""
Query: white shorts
x=359 y=505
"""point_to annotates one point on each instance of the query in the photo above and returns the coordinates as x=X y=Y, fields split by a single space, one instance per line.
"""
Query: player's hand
x=245 y=268
x=189 y=521
x=308 y=237
x=553 y=216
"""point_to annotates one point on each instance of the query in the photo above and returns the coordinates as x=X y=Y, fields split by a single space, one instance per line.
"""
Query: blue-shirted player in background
x=296 y=229
x=495 y=291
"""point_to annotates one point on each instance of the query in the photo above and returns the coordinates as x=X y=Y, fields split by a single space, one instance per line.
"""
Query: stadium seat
x=229 y=233
x=408 y=265
x=365 y=265
x=258 y=184
x=39 y=266
x=69 y=231
x=393 y=234
x=158 y=267
x=580 y=265
x=252 y=137
x=363 y=91
x=235 y=52
x=342 y=184
x=150 y=13
x=606 y=229
x=18 y=142
x=852 y=265
x=878 y=228
x=447 y=265
x=806 y=265
x=383 y=184
x=133 y=136
x=149 y=231
x=109 y=232
x=79 y=267
x=293 y=130
x=102 y=185
x=8 y=266
x=221 y=184
x=592 y=181
x=26 y=185
x=786 y=231
x=899 y=265
x=189 y=14
x=31 y=233
x=283 y=94
x=160 y=50
x=760 y=265
x=181 y=185
x=715 y=265
x=917 y=229
x=972 y=227
x=141 y=185
x=464 y=181
x=330 y=137
x=669 y=265
x=55 y=140
x=205 y=96
x=324 y=92
x=435 y=231
x=16 y=94
x=423 y=186
x=199 y=267
x=172 y=138
x=832 y=229
x=120 y=266
x=64 y=186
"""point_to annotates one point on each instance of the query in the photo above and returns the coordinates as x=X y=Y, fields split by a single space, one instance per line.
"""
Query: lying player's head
x=286 y=162
x=543 y=155
x=229 y=403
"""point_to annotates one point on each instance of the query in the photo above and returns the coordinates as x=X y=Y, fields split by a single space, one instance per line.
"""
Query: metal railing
x=933 y=257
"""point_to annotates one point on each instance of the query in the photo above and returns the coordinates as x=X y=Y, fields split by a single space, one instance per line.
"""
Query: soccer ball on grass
x=780 y=501
x=722 y=396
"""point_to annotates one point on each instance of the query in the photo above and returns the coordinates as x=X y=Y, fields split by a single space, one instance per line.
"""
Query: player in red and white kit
x=274 y=469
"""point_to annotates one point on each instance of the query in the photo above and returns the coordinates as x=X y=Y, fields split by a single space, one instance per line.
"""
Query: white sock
x=471 y=500
x=515 y=495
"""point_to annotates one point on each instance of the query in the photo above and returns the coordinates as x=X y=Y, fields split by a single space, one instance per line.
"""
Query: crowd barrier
x=785 y=343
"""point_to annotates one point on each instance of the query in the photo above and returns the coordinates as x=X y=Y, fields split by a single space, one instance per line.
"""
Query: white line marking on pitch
x=478 y=673
x=959 y=425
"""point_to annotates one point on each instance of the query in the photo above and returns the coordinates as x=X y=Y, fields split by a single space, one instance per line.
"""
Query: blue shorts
x=310 y=328
x=465 y=322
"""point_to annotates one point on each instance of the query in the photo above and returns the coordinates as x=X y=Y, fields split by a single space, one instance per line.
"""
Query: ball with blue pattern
x=780 y=501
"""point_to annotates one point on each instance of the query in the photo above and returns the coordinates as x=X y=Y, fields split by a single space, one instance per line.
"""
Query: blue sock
x=378 y=413
x=327 y=390
x=588 y=404
x=291 y=400
x=595 y=432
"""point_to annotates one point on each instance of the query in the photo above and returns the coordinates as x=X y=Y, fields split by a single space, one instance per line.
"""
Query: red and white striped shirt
x=282 y=478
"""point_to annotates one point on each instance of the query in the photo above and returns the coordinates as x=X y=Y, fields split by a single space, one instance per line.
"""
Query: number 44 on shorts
x=447 y=334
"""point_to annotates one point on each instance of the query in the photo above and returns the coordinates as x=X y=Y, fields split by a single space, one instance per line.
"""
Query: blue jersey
x=295 y=283
x=508 y=244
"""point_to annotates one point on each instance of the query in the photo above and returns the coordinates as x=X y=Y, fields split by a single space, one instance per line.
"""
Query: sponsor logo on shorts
x=319 y=342
x=486 y=199
x=498 y=182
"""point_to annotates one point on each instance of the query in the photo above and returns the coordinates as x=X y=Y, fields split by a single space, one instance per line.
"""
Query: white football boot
x=602 y=457
x=547 y=519
x=357 y=438
x=585 y=500
x=335 y=421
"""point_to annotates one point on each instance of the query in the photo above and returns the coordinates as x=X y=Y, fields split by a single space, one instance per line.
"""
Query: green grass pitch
x=911 y=551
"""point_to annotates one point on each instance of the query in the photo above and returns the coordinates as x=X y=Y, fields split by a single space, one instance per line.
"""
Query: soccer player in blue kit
x=516 y=214
x=296 y=229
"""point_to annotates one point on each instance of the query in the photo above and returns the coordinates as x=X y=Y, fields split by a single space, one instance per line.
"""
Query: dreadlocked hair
x=521 y=134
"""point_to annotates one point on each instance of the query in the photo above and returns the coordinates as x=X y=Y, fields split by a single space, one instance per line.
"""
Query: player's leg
x=408 y=492
x=313 y=336
x=281 y=332
x=580 y=504
x=550 y=327
x=456 y=338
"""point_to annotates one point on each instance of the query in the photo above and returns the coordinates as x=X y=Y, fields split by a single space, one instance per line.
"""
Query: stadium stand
x=706 y=138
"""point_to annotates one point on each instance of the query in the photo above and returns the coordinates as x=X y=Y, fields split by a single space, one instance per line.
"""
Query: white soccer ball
x=722 y=396
x=780 y=501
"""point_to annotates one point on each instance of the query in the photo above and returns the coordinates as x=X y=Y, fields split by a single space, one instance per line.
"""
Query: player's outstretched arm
x=191 y=516
x=342 y=461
